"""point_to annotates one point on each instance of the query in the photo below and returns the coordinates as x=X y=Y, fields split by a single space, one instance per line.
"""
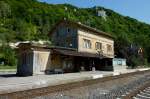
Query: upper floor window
x=87 y=43
x=68 y=41
x=68 y=30
x=98 y=45
x=109 y=48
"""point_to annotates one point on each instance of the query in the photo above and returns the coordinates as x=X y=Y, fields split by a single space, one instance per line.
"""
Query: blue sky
x=138 y=9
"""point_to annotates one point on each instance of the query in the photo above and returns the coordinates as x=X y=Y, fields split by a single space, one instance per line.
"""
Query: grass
x=7 y=67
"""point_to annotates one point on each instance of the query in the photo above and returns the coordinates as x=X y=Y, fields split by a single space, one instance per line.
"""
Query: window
x=98 y=45
x=109 y=48
x=67 y=64
x=119 y=62
x=68 y=41
x=68 y=30
x=87 y=43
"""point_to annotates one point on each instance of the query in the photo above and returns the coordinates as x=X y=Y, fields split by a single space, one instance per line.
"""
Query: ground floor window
x=67 y=65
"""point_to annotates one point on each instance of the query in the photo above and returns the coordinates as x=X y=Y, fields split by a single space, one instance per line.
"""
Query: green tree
x=8 y=55
x=5 y=10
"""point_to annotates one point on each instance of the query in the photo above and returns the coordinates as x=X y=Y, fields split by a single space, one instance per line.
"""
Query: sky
x=138 y=9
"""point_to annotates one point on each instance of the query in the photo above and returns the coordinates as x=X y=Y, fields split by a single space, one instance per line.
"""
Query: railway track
x=144 y=94
x=125 y=86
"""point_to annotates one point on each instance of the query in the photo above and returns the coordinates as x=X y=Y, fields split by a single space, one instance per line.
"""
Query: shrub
x=7 y=55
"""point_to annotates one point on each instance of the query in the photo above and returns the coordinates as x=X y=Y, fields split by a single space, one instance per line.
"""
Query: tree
x=8 y=55
x=25 y=31
x=5 y=10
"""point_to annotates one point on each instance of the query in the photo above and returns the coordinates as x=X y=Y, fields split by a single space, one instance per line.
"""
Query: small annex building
x=75 y=47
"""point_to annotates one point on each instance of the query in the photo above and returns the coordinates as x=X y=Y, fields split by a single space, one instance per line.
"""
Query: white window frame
x=98 y=46
x=87 y=44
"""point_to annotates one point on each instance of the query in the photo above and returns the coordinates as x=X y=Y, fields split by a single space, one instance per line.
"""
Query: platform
x=11 y=83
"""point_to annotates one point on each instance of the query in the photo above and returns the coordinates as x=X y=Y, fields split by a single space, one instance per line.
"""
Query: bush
x=7 y=55
x=137 y=61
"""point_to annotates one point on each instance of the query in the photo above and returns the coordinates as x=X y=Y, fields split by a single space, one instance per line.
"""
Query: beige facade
x=41 y=61
x=77 y=33
x=33 y=59
x=93 y=39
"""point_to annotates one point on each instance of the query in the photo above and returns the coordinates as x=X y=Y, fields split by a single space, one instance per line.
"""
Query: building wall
x=41 y=61
x=33 y=60
x=65 y=36
x=119 y=64
x=25 y=62
x=94 y=38
x=65 y=63
x=56 y=62
x=74 y=39
x=119 y=61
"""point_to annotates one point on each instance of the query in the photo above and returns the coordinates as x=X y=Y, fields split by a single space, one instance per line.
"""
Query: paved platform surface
x=10 y=83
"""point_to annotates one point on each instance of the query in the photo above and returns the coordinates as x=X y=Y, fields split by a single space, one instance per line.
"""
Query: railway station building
x=75 y=47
